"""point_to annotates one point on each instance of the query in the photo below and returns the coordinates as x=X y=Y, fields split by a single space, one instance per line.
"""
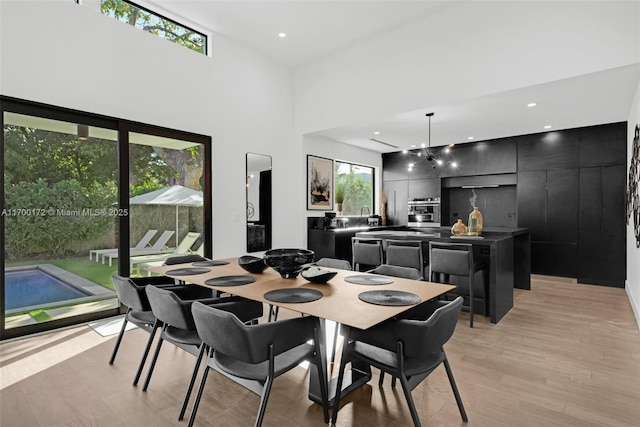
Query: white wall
x=328 y=148
x=491 y=47
x=64 y=54
x=633 y=252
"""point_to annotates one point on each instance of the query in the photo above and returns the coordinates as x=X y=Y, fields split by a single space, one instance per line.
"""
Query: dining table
x=341 y=299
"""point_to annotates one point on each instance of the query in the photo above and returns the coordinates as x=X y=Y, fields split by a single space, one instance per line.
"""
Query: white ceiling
x=316 y=29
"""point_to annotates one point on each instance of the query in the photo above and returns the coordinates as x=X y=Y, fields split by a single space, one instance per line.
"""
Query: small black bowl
x=317 y=274
x=288 y=262
x=252 y=264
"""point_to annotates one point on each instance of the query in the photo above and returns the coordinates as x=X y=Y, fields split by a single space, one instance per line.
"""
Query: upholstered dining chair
x=454 y=263
x=366 y=251
x=397 y=271
x=333 y=263
x=259 y=353
x=407 y=349
x=173 y=308
x=131 y=293
x=406 y=253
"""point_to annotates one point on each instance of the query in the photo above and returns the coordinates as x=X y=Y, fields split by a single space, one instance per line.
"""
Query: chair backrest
x=334 y=263
x=145 y=239
x=220 y=329
x=450 y=259
x=183 y=259
x=186 y=243
x=130 y=294
x=162 y=240
x=170 y=309
x=435 y=331
x=367 y=251
x=397 y=271
x=405 y=253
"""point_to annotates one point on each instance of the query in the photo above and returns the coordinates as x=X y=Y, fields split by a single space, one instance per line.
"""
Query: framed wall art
x=319 y=183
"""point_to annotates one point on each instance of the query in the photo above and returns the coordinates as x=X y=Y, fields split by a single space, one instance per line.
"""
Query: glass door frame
x=123 y=127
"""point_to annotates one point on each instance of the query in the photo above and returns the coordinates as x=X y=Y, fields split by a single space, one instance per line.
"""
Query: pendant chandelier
x=429 y=156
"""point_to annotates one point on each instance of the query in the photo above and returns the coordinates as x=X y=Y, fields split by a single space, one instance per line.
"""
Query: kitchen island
x=505 y=251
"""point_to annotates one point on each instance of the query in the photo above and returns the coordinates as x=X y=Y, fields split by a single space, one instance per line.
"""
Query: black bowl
x=288 y=262
x=252 y=264
x=317 y=274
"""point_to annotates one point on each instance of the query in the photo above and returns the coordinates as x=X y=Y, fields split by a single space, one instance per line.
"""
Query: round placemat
x=210 y=263
x=230 y=281
x=293 y=295
x=368 y=280
x=389 y=297
x=188 y=271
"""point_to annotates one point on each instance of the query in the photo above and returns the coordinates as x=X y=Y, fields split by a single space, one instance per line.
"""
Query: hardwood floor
x=566 y=355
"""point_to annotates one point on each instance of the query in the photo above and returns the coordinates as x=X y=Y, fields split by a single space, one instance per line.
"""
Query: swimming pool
x=45 y=285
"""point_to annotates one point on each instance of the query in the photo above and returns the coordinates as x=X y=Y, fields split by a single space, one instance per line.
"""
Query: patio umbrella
x=173 y=195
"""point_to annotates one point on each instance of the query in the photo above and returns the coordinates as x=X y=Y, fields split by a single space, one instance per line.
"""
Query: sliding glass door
x=86 y=197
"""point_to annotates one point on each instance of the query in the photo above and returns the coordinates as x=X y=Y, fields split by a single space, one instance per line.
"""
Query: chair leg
x=153 y=364
x=273 y=313
x=393 y=381
x=192 y=382
x=471 y=289
x=119 y=340
x=196 y=403
x=463 y=413
x=381 y=380
x=322 y=374
x=263 y=401
x=152 y=335
x=407 y=395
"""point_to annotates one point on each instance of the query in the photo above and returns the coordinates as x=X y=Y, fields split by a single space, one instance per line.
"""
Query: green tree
x=358 y=191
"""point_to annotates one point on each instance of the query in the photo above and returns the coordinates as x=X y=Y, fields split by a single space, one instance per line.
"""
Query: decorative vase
x=475 y=222
x=459 y=229
x=339 y=209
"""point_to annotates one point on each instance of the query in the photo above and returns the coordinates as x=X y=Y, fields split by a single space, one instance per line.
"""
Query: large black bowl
x=252 y=264
x=288 y=262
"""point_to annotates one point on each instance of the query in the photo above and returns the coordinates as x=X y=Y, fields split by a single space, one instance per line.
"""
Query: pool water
x=27 y=288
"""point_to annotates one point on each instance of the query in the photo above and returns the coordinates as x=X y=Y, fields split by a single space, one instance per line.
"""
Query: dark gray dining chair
x=366 y=251
x=184 y=259
x=397 y=271
x=259 y=353
x=340 y=264
x=131 y=292
x=173 y=308
x=454 y=263
x=407 y=349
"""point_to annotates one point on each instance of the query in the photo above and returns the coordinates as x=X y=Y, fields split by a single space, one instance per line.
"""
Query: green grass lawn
x=82 y=266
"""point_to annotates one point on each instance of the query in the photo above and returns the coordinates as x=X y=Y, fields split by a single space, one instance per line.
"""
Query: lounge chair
x=182 y=249
x=159 y=246
x=165 y=261
x=141 y=245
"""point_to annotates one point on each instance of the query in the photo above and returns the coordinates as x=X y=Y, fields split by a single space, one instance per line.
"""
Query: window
x=356 y=183
x=153 y=23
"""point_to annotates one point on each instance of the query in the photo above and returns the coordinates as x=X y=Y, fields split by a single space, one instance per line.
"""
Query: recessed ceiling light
x=413 y=145
x=423 y=145
x=470 y=137
x=376 y=133
x=282 y=35
x=532 y=104
x=547 y=127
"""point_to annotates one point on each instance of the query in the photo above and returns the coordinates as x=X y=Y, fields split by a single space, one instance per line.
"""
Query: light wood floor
x=566 y=355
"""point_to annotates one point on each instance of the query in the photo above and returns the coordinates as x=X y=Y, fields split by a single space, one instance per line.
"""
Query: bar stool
x=456 y=259
x=406 y=253
x=366 y=251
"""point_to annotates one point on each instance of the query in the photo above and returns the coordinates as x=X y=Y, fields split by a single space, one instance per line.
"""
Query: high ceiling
x=318 y=29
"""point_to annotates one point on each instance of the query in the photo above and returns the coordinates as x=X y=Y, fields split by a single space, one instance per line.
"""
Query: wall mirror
x=258 y=202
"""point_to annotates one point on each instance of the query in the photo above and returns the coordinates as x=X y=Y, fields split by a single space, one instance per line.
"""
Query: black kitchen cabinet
x=496 y=157
x=547 y=151
x=531 y=202
x=420 y=188
x=600 y=145
x=602 y=249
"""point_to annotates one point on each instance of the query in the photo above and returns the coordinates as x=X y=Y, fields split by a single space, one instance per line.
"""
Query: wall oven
x=424 y=212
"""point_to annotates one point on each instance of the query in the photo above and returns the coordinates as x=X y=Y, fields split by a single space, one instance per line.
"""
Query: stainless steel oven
x=424 y=212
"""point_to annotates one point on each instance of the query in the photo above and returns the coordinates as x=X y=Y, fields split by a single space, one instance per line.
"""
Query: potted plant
x=339 y=197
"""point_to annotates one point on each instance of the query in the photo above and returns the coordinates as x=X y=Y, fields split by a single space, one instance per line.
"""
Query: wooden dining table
x=339 y=303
